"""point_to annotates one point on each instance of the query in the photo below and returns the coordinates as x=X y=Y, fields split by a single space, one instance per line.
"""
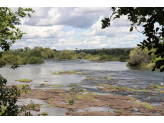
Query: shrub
x=138 y=57
x=35 y=60
x=123 y=58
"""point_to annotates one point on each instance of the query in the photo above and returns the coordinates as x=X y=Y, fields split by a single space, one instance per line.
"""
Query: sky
x=75 y=27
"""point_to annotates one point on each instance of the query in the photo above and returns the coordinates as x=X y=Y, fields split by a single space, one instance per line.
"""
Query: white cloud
x=62 y=40
x=41 y=32
x=70 y=33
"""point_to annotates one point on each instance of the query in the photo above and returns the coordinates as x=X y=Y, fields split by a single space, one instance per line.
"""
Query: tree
x=8 y=35
x=138 y=57
x=145 y=17
x=26 y=49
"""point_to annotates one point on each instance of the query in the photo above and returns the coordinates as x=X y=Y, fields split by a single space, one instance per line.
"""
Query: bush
x=123 y=58
x=138 y=57
x=35 y=60
x=104 y=57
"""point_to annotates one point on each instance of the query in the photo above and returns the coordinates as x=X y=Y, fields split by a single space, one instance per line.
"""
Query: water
x=120 y=73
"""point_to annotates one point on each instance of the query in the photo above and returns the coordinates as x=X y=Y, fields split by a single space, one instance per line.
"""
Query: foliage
x=138 y=57
x=108 y=77
x=145 y=17
x=8 y=35
x=74 y=91
x=35 y=60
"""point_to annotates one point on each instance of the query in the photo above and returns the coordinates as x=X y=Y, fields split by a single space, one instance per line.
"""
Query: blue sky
x=75 y=27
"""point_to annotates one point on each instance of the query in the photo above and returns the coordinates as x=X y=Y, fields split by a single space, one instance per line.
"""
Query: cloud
x=42 y=32
x=62 y=40
x=113 y=31
x=70 y=33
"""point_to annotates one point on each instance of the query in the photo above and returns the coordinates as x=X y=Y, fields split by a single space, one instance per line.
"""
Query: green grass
x=73 y=72
x=49 y=105
x=55 y=73
x=44 y=84
x=119 y=112
x=148 y=106
x=61 y=71
x=62 y=94
x=108 y=77
x=58 y=85
x=79 y=96
x=24 y=80
x=44 y=113
x=88 y=78
x=134 y=98
x=71 y=101
x=50 y=99
x=90 y=94
x=157 y=86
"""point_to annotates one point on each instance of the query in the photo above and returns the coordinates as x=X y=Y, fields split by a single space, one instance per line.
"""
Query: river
x=119 y=72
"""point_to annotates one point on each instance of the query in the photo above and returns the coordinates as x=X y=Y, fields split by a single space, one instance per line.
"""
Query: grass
x=108 y=77
x=24 y=80
x=157 y=86
x=119 y=112
x=71 y=101
x=134 y=98
x=84 y=73
x=55 y=73
x=44 y=113
x=49 y=105
x=148 y=106
x=61 y=71
x=72 y=72
x=79 y=97
x=62 y=94
x=58 y=85
x=90 y=94
x=89 y=78
x=136 y=81
x=44 y=84
x=50 y=99
x=108 y=104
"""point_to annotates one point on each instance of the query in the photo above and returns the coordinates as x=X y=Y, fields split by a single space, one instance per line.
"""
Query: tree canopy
x=8 y=35
x=145 y=17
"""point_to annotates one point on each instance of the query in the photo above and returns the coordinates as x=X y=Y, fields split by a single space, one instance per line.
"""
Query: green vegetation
x=119 y=112
x=71 y=101
x=89 y=78
x=44 y=84
x=145 y=17
x=35 y=55
x=24 y=80
x=51 y=99
x=72 y=72
x=49 y=105
x=62 y=94
x=108 y=77
x=157 y=86
x=148 y=106
x=44 y=113
x=58 y=85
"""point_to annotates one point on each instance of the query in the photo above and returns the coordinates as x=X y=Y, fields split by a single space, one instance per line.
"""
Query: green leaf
x=131 y=29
